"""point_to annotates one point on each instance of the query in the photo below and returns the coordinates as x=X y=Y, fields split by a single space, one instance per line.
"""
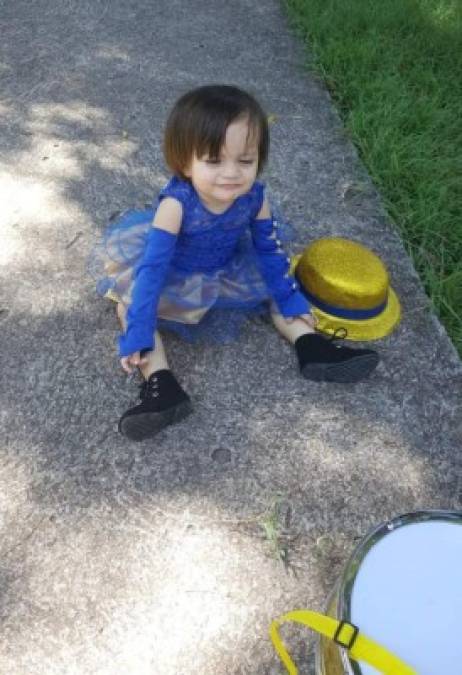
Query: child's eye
x=247 y=161
x=212 y=161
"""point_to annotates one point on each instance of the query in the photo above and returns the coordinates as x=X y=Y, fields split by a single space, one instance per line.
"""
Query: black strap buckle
x=348 y=645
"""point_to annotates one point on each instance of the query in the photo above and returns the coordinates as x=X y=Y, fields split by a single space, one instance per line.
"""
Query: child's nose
x=230 y=169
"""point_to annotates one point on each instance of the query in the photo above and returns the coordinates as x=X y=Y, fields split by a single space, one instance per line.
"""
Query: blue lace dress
x=213 y=282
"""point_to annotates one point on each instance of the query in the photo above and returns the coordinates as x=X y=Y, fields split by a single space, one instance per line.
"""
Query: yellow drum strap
x=360 y=647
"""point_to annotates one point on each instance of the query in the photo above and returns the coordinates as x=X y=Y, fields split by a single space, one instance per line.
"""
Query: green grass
x=394 y=69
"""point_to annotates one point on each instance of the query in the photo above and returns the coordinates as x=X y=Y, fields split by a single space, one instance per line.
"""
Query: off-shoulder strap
x=257 y=193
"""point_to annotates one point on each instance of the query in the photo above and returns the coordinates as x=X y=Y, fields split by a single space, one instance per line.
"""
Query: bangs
x=211 y=138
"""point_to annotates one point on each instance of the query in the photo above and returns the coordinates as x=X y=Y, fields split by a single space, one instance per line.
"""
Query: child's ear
x=187 y=170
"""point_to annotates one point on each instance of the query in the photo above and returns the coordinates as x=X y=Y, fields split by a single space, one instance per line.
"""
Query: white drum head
x=407 y=595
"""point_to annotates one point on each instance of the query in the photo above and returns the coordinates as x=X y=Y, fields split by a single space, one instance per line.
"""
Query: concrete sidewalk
x=117 y=558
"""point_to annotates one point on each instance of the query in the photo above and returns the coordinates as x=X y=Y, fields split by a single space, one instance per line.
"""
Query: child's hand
x=309 y=319
x=132 y=361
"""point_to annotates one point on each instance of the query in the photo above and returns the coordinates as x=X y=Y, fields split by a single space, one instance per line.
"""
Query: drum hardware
x=395 y=603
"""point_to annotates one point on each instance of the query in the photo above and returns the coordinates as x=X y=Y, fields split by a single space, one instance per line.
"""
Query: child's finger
x=134 y=359
x=139 y=362
x=309 y=319
x=125 y=364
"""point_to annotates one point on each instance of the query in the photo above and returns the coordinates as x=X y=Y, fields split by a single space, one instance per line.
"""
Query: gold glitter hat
x=348 y=287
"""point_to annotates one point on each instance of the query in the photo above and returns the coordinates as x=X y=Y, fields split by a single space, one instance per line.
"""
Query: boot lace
x=339 y=333
x=149 y=388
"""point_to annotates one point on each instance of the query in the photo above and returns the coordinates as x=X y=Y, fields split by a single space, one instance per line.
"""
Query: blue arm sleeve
x=149 y=280
x=274 y=267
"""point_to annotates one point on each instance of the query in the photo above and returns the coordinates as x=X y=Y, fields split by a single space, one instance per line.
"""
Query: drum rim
x=351 y=568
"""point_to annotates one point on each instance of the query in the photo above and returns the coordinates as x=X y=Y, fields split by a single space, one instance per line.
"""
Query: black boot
x=163 y=402
x=322 y=361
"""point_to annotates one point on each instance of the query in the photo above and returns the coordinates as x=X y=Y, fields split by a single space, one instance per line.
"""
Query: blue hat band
x=355 y=314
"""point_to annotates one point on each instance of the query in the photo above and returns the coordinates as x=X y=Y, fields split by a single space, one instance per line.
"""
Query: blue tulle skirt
x=209 y=306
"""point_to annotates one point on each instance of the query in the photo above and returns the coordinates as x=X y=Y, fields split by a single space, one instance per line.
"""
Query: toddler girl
x=208 y=253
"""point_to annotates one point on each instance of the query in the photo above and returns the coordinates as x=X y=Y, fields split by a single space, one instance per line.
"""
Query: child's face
x=219 y=182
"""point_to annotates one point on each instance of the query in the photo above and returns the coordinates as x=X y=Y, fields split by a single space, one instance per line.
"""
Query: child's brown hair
x=198 y=122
